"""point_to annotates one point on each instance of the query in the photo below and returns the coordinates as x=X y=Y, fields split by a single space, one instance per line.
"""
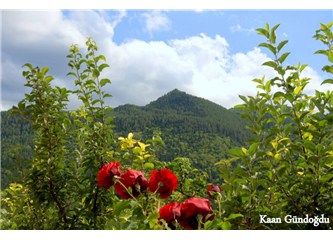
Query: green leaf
x=100 y=57
x=281 y=170
x=120 y=207
x=270 y=64
x=262 y=31
x=278 y=95
x=324 y=52
x=95 y=73
x=253 y=148
x=283 y=57
x=258 y=80
x=96 y=101
x=48 y=79
x=328 y=69
x=326 y=178
x=243 y=98
x=44 y=70
x=281 y=45
x=102 y=66
x=330 y=81
x=289 y=97
x=330 y=56
x=104 y=81
x=28 y=65
x=309 y=145
x=302 y=67
x=106 y=95
x=269 y=46
x=72 y=73
x=234 y=216
x=236 y=152
x=148 y=165
x=268 y=86
x=226 y=225
x=273 y=35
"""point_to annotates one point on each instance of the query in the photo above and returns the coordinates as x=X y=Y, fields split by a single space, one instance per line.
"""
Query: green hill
x=190 y=127
x=180 y=112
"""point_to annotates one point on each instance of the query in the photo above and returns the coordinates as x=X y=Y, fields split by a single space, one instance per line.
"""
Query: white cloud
x=156 y=21
x=43 y=38
x=218 y=75
x=315 y=82
x=239 y=28
x=140 y=71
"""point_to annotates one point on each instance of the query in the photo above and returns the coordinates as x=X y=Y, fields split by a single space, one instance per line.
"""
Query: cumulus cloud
x=140 y=71
x=156 y=21
x=218 y=75
x=42 y=38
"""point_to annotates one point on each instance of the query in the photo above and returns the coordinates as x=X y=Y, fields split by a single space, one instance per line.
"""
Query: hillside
x=182 y=113
x=190 y=127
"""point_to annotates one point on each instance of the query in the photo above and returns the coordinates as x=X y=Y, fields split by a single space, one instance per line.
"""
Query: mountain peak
x=181 y=102
x=176 y=91
x=175 y=100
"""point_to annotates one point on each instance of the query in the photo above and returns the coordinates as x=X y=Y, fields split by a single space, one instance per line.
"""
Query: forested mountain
x=189 y=126
x=16 y=147
x=183 y=113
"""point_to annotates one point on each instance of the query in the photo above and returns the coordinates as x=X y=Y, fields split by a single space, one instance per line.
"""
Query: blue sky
x=238 y=27
x=211 y=54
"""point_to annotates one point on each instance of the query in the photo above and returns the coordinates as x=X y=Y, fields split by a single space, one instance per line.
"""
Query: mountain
x=190 y=127
x=183 y=113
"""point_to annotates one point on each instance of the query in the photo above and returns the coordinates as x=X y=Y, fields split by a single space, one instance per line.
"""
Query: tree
x=288 y=167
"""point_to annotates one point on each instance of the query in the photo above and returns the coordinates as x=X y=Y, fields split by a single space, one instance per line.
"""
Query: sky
x=212 y=54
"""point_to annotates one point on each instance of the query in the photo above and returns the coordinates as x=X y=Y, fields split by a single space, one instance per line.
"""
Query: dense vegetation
x=83 y=176
x=189 y=127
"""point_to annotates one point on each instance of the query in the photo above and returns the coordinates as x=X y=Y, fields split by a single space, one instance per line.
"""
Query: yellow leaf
x=130 y=136
x=274 y=144
x=110 y=153
x=269 y=154
x=244 y=150
x=143 y=146
x=300 y=173
x=298 y=89
x=283 y=139
x=146 y=156
x=308 y=135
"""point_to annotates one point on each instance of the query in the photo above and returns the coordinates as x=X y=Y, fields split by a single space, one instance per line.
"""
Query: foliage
x=287 y=168
x=83 y=177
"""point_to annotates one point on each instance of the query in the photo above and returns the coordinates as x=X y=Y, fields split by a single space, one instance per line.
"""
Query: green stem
x=127 y=190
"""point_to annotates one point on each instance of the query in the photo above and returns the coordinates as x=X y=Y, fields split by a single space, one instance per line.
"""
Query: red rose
x=134 y=181
x=169 y=213
x=106 y=173
x=211 y=189
x=190 y=209
x=164 y=181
